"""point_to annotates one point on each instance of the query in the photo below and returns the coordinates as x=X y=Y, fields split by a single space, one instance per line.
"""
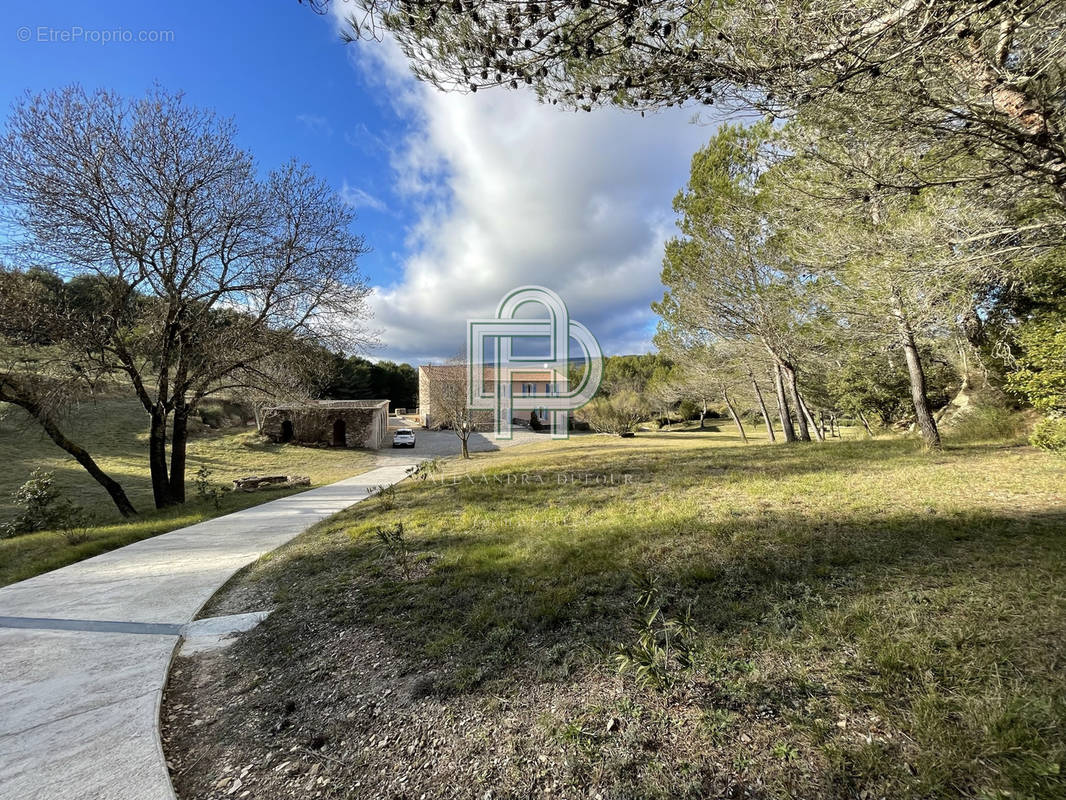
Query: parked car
x=404 y=437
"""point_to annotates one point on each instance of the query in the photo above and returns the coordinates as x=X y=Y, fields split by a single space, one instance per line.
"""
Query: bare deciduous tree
x=204 y=271
x=448 y=390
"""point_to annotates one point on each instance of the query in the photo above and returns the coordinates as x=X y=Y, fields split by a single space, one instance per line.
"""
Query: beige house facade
x=524 y=384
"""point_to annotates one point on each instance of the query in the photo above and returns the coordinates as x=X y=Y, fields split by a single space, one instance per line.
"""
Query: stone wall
x=349 y=423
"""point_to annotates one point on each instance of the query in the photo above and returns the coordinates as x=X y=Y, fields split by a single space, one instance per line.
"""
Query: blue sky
x=461 y=197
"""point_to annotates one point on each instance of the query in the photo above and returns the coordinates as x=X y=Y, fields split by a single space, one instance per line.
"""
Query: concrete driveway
x=85 y=650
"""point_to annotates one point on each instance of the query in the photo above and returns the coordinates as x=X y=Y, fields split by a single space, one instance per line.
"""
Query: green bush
x=212 y=416
x=618 y=414
x=1041 y=374
x=41 y=505
x=689 y=409
x=223 y=414
x=1050 y=434
x=986 y=424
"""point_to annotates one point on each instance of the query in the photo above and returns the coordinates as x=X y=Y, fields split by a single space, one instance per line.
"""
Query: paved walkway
x=84 y=650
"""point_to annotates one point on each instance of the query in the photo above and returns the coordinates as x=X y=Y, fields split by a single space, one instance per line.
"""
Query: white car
x=404 y=437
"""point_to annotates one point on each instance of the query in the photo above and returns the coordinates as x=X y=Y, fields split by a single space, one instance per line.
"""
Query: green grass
x=871 y=620
x=114 y=430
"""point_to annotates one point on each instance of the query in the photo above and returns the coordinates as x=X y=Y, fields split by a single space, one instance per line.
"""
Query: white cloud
x=360 y=198
x=507 y=192
x=315 y=124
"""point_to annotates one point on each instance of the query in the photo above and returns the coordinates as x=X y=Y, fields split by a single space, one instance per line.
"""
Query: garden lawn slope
x=868 y=621
x=115 y=432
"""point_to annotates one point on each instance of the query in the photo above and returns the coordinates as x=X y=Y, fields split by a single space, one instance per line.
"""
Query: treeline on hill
x=356 y=378
x=899 y=210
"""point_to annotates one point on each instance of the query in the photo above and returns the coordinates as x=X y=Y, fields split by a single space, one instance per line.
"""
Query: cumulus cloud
x=507 y=191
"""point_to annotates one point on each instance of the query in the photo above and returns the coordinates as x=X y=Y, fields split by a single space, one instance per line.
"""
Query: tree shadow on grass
x=493 y=594
x=682 y=468
x=915 y=604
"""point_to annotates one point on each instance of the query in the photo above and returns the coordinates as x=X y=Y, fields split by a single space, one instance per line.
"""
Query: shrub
x=76 y=533
x=1050 y=434
x=386 y=495
x=393 y=544
x=206 y=489
x=664 y=650
x=224 y=414
x=534 y=421
x=620 y=413
x=427 y=468
x=42 y=506
x=211 y=416
x=688 y=410
x=986 y=424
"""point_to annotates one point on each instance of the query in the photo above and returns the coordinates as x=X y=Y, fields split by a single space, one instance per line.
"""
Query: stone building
x=334 y=423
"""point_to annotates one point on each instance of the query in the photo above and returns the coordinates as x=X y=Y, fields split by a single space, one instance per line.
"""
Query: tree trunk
x=926 y=423
x=466 y=450
x=801 y=410
x=782 y=405
x=111 y=486
x=762 y=406
x=866 y=424
x=811 y=421
x=157 y=458
x=703 y=414
x=178 y=444
x=735 y=416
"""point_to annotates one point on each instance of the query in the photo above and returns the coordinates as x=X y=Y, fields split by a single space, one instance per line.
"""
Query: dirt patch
x=352 y=719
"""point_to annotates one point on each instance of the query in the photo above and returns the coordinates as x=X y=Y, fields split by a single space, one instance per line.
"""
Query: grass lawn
x=864 y=620
x=115 y=431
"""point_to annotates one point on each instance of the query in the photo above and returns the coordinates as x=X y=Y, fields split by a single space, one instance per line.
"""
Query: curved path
x=84 y=650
